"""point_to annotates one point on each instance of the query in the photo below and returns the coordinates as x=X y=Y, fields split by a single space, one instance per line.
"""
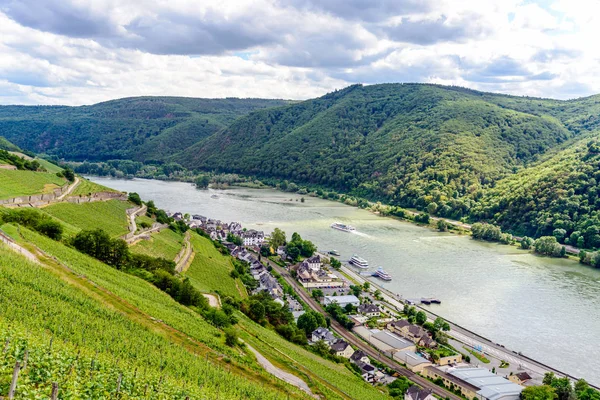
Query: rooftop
x=411 y=358
x=493 y=387
x=342 y=299
x=392 y=340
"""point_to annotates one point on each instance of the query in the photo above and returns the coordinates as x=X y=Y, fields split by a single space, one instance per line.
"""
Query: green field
x=108 y=215
x=209 y=272
x=86 y=188
x=83 y=338
x=143 y=218
x=15 y=183
x=165 y=244
x=51 y=168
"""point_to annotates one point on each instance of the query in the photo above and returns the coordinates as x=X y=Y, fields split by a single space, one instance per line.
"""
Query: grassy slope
x=15 y=183
x=165 y=244
x=87 y=320
x=209 y=271
x=85 y=188
x=50 y=167
x=108 y=215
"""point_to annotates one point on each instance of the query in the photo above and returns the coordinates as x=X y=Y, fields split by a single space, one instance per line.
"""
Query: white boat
x=380 y=273
x=359 y=262
x=334 y=252
x=342 y=227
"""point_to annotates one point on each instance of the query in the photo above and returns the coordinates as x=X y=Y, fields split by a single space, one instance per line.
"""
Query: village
x=402 y=336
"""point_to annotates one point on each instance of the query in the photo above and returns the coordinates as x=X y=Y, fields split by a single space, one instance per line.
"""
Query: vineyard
x=108 y=215
x=165 y=244
x=65 y=334
x=210 y=271
x=14 y=183
x=85 y=188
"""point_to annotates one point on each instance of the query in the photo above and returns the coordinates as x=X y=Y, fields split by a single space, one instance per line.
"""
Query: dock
x=430 y=300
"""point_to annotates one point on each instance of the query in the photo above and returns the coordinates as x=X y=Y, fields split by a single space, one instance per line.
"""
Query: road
x=471 y=339
x=358 y=343
x=279 y=373
x=69 y=189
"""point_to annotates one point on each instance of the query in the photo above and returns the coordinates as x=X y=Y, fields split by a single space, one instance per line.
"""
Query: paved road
x=352 y=339
x=471 y=339
x=279 y=373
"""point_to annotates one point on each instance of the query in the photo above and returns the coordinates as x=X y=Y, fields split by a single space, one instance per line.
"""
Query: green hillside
x=395 y=143
x=14 y=183
x=139 y=128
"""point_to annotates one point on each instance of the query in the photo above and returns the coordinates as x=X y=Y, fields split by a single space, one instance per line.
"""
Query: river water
x=546 y=308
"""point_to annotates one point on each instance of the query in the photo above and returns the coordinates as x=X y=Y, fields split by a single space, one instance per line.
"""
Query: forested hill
x=138 y=128
x=398 y=143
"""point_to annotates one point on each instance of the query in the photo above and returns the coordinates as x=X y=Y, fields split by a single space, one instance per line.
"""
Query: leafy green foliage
x=298 y=247
x=34 y=219
x=138 y=128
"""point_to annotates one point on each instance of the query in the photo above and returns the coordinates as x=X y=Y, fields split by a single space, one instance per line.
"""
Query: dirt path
x=279 y=373
x=69 y=189
x=185 y=256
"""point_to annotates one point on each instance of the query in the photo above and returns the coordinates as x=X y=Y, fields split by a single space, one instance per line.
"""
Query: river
x=545 y=308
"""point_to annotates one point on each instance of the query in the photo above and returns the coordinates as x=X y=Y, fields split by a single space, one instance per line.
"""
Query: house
x=343 y=301
x=199 y=217
x=389 y=342
x=324 y=335
x=367 y=371
x=370 y=310
x=415 y=333
x=314 y=262
x=359 y=355
x=178 y=216
x=253 y=238
x=416 y=393
x=520 y=378
x=476 y=382
x=412 y=360
x=449 y=360
x=294 y=305
x=281 y=252
x=267 y=283
x=311 y=279
x=342 y=349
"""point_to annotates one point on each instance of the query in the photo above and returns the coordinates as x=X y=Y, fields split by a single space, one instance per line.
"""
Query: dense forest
x=138 y=128
x=528 y=165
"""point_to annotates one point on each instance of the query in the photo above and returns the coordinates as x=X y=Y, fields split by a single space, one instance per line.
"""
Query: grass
x=14 y=183
x=143 y=218
x=331 y=380
x=51 y=168
x=86 y=188
x=165 y=244
x=96 y=336
x=478 y=355
x=210 y=270
x=108 y=215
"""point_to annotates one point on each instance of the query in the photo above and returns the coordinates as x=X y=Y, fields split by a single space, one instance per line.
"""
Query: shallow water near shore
x=545 y=308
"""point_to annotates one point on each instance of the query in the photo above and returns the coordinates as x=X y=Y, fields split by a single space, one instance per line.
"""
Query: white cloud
x=80 y=52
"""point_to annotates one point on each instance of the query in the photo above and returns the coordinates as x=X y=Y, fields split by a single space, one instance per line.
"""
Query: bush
x=135 y=198
x=35 y=220
x=231 y=337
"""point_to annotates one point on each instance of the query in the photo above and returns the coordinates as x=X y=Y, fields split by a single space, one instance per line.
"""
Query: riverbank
x=488 y=288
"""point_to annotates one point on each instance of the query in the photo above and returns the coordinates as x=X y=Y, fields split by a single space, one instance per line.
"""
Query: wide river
x=546 y=308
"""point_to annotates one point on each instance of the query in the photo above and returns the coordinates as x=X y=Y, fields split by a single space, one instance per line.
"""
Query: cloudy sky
x=83 y=51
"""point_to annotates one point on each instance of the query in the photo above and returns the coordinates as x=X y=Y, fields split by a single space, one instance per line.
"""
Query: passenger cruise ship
x=359 y=262
x=380 y=273
x=341 y=227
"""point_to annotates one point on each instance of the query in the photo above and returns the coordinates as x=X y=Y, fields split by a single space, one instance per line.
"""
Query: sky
x=78 y=52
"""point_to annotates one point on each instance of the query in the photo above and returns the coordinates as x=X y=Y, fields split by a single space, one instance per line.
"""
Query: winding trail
x=279 y=373
x=184 y=258
x=70 y=189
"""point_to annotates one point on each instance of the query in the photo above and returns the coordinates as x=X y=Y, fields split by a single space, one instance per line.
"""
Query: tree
x=277 y=238
x=307 y=322
x=356 y=290
x=317 y=294
x=440 y=325
x=421 y=318
x=548 y=246
x=335 y=263
x=559 y=234
x=202 y=181
x=257 y=311
x=366 y=286
x=52 y=229
x=69 y=174
x=526 y=243
x=321 y=348
x=231 y=337
x=135 y=198
x=442 y=225
x=543 y=392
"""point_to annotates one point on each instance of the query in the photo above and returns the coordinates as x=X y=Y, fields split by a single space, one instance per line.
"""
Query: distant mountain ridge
x=136 y=128
x=450 y=151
